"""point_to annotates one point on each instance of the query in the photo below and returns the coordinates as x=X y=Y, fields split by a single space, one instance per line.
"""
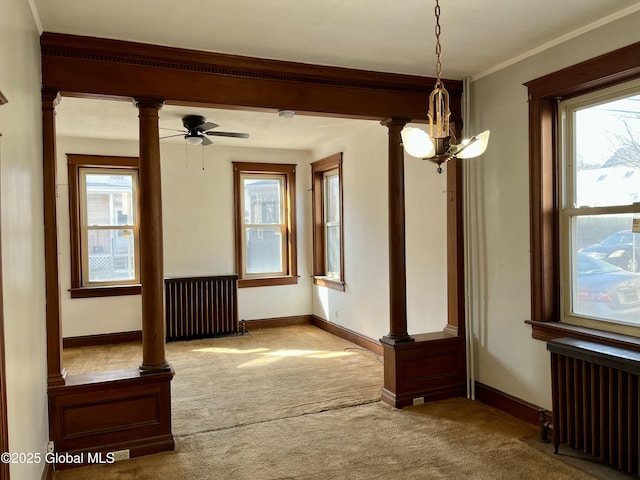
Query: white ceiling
x=392 y=36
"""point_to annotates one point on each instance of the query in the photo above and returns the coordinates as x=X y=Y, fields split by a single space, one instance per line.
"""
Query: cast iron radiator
x=596 y=400
x=201 y=307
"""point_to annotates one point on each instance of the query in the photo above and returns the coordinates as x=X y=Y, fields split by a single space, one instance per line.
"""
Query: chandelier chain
x=438 y=47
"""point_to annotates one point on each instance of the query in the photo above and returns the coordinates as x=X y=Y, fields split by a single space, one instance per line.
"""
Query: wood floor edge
x=514 y=406
x=102 y=339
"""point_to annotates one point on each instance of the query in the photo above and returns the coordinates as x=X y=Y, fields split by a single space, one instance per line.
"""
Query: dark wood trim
x=55 y=371
x=75 y=162
x=150 y=226
x=397 y=248
x=455 y=250
x=546 y=331
x=267 y=281
x=4 y=424
x=291 y=244
x=86 y=66
x=606 y=70
x=277 y=322
x=514 y=406
x=318 y=169
x=107 y=411
x=353 y=337
x=432 y=367
x=112 y=291
x=102 y=339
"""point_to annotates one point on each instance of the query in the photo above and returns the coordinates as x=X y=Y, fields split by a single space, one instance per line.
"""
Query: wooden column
x=151 y=256
x=55 y=371
x=397 y=256
x=455 y=250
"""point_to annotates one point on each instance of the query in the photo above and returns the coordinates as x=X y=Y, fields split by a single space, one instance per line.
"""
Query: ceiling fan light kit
x=438 y=146
x=197 y=129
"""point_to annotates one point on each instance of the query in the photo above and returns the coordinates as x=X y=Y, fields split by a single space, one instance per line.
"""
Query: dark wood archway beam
x=87 y=66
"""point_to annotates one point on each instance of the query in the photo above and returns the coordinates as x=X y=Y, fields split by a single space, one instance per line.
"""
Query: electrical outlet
x=120 y=455
x=418 y=401
x=50 y=446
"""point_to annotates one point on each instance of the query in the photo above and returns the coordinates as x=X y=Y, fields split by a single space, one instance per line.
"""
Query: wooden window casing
x=287 y=173
x=319 y=170
x=79 y=287
x=613 y=68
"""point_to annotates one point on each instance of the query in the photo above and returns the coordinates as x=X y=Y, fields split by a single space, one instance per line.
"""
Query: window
x=264 y=196
x=104 y=225
x=600 y=185
x=547 y=216
x=328 y=243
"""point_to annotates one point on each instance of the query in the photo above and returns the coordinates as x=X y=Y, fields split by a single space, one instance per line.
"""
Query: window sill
x=267 y=281
x=549 y=330
x=329 y=283
x=105 y=291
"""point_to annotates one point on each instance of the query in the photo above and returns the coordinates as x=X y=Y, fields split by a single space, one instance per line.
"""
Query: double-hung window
x=328 y=245
x=265 y=224
x=600 y=137
x=104 y=225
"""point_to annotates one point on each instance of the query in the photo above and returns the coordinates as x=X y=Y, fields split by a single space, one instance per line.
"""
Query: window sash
x=128 y=257
x=571 y=214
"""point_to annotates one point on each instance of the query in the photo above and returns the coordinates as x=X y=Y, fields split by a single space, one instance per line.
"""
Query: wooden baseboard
x=354 y=337
x=276 y=322
x=514 y=406
x=102 y=339
x=47 y=473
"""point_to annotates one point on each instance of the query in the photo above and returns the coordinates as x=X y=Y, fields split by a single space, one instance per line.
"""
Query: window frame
x=319 y=169
x=288 y=172
x=76 y=163
x=611 y=69
x=570 y=211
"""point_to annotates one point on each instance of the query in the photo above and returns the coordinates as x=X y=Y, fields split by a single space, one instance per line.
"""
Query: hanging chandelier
x=438 y=146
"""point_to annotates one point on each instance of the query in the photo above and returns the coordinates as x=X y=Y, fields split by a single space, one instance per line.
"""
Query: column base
x=430 y=367
x=146 y=369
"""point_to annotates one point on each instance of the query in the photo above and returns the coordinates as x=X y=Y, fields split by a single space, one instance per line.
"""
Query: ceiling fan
x=197 y=129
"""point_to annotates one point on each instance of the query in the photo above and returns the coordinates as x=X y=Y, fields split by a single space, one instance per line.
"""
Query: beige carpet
x=325 y=422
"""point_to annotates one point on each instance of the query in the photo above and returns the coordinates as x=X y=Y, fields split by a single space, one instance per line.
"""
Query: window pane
x=264 y=250
x=263 y=200
x=109 y=199
x=608 y=238
x=333 y=250
x=332 y=198
x=607 y=153
x=605 y=284
x=111 y=255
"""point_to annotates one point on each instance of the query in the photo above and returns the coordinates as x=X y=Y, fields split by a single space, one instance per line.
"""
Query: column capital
x=50 y=98
x=148 y=102
x=395 y=122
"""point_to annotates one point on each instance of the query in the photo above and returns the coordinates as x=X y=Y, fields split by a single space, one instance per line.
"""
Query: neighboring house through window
x=104 y=225
x=328 y=243
x=264 y=197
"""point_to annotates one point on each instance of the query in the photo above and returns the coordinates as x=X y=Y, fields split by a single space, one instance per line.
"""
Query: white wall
x=23 y=235
x=198 y=232
x=364 y=305
x=507 y=358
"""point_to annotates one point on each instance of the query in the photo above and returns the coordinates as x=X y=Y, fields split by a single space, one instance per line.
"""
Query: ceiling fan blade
x=228 y=134
x=206 y=126
x=206 y=141
x=170 y=136
x=172 y=129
